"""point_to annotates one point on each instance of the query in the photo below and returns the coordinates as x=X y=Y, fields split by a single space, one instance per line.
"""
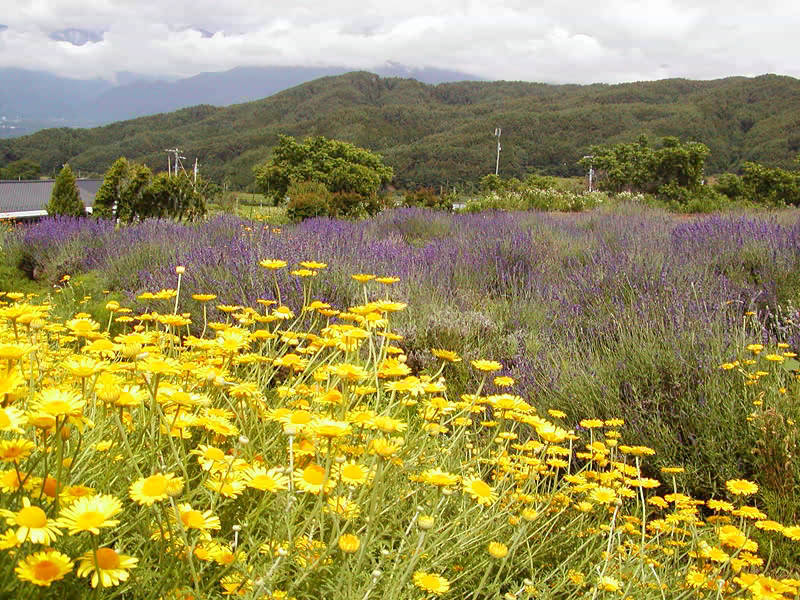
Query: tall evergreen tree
x=108 y=200
x=66 y=199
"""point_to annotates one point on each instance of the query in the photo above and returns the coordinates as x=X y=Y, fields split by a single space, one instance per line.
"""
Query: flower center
x=314 y=475
x=89 y=520
x=57 y=407
x=107 y=559
x=481 y=489
x=193 y=519
x=154 y=486
x=46 y=570
x=32 y=517
x=49 y=487
x=352 y=473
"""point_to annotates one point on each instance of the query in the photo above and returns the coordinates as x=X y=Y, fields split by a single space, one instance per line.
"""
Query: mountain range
x=437 y=134
x=33 y=100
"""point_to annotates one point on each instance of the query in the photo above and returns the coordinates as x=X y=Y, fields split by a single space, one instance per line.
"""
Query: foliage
x=339 y=166
x=21 y=169
x=130 y=192
x=175 y=197
x=108 y=200
x=731 y=185
x=307 y=199
x=675 y=170
x=535 y=193
x=434 y=135
x=771 y=185
x=427 y=198
x=66 y=198
x=491 y=183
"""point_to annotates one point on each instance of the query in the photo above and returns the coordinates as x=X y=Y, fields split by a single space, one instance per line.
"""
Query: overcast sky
x=565 y=41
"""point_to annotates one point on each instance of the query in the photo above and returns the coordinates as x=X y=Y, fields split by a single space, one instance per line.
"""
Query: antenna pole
x=497 y=133
x=591 y=169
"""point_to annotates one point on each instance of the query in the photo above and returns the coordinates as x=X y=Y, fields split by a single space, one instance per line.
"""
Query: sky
x=572 y=41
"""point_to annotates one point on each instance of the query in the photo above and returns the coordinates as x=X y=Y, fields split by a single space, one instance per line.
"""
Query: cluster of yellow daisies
x=291 y=452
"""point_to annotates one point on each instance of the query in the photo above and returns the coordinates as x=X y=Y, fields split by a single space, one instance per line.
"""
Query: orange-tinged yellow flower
x=271 y=480
x=363 y=277
x=273 y=263
x=107 y=568
x=43 y=568
x=741 y=487
x=32 y=524
x=312 y=479
x=194 y=519
x=793 y=532
x=431 y=583
x=83 y=327
x=148 y=490
x=330 y=428
x=58 y=402
x=349 y=543
x=608 y=584
x=497 y=550
x=9 y=381
x=480 y=491
x=439 y=478
x=312 y=264
x=486 y=365
x=353 y=473
x=604 y=495
x=15 y=450
x=447 y=355
x=90 y=514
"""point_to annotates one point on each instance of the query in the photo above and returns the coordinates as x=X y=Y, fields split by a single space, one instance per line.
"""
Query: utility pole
x=497 y=132
x=591 y=169
x=176 y=162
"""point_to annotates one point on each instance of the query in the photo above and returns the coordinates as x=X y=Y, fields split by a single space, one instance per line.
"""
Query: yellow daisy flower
x=90 y=514
x=107 y=568
x=147 y=490
x=32 y=524
x=43 y=568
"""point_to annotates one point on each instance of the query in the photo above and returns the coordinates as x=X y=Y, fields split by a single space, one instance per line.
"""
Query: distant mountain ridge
x=31 y=100
x=441 y=134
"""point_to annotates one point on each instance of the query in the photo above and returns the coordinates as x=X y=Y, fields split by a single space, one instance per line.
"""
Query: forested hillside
x=443 y=133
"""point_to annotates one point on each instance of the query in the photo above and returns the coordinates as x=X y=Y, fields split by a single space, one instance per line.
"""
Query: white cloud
x=550 y=40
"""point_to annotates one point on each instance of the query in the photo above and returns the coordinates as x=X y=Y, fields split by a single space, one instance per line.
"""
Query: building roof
x=19 y=199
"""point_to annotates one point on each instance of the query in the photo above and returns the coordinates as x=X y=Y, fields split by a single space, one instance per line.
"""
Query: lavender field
x=622 y=312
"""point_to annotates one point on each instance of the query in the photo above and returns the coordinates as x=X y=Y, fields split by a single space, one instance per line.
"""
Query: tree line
x=131 y=192
x=433 y=135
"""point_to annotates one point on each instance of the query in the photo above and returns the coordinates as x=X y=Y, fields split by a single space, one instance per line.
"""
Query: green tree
x=173 y=196
x=21 y=169
x=66 y=199
x=130 y=192
x=108 y=200
x=339 y=166
x=771 y=185
x=134 y=200
x=674 y=170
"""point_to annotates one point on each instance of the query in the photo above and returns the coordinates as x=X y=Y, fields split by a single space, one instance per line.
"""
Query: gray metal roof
x=31 y=197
